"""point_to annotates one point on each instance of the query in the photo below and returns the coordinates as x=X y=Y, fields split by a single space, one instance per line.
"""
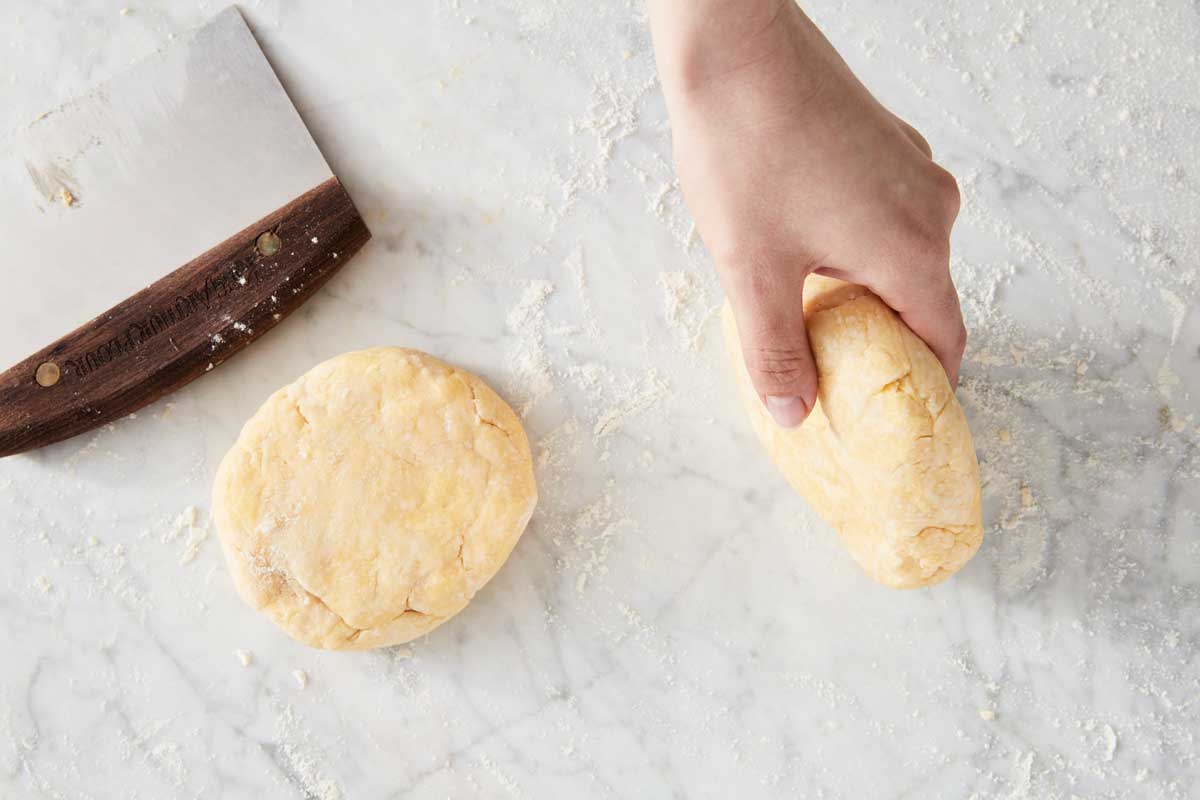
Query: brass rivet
x=47 y=374
x=268 y=244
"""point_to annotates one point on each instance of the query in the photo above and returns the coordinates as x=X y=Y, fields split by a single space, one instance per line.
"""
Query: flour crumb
x=196 y=537
x=244 y=656
x=1110 y=743
x=1026 y=497
x=301 y=678
x=186 y=525
x=987 y=714
x=43 y=584
x=189 y=515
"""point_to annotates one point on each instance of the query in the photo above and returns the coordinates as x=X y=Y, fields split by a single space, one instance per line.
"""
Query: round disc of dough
x=366 y=503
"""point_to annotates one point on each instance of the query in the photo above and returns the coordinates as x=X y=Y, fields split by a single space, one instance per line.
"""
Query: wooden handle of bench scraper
x=180 y=327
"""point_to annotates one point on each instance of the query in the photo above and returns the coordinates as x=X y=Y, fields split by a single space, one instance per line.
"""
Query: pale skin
x=791 y=167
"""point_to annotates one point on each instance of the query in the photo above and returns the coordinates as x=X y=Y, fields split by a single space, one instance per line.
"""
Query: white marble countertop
x=675 y=622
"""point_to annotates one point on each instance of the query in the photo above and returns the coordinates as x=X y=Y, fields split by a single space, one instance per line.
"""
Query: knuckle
x=922 y=143
x=915 y=136
x=946 y=187
x=923 y=235
x=960 y=339
x=736 y=253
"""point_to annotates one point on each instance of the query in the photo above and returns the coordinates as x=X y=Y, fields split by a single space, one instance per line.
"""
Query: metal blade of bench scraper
x=111 y=191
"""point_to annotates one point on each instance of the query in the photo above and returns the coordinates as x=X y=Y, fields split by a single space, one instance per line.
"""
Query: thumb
x=769 y=310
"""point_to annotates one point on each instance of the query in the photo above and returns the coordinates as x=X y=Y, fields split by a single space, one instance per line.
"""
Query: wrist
x=698 y=42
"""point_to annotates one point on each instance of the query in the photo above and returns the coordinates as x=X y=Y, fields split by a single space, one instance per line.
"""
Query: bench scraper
x=194 y=165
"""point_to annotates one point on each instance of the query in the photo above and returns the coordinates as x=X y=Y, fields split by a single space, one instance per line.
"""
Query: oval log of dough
x=366 y=503
x=886 y=456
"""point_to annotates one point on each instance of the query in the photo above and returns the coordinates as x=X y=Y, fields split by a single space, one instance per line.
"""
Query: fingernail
x=788 y=412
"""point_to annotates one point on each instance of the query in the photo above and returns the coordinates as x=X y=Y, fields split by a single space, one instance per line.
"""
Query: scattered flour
x=611 y=116
x=528 y=361
x=301 y=760
x=1022 y=776
x=650 y=391
x=686 y=306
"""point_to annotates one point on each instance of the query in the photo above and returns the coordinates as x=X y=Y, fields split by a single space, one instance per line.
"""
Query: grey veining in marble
x=675 y=622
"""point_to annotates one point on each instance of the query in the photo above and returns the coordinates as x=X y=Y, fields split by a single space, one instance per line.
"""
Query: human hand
x=791 y=167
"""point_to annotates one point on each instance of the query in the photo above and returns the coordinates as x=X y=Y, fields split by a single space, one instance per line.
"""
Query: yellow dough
x=366 y=503
x=886 y=456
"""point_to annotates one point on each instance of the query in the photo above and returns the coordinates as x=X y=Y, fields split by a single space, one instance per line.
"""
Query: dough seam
x=475 y=405
x=290 y=575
